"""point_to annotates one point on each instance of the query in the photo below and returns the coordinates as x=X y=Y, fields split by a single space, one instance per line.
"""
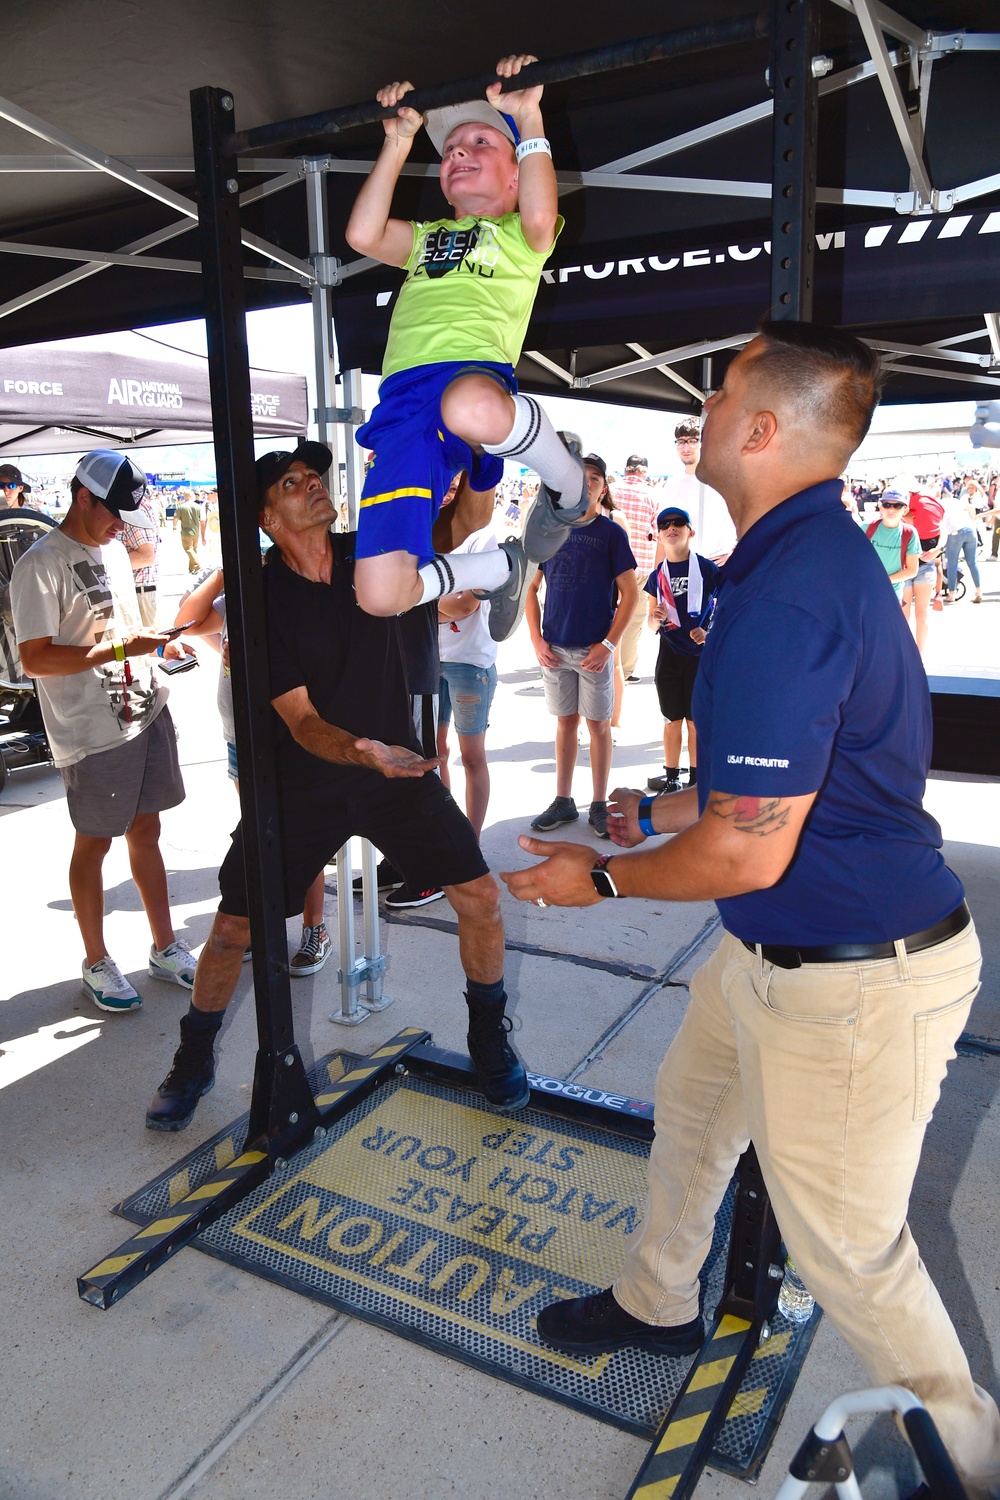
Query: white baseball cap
x=439 y=123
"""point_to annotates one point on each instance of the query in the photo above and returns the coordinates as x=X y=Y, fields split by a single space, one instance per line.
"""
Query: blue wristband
x=159 y=650
x=645 y=821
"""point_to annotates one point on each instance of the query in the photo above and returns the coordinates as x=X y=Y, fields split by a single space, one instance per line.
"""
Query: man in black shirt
x=348 y=764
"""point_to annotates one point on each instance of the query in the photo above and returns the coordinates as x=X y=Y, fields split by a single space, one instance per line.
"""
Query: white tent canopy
x=125 y=390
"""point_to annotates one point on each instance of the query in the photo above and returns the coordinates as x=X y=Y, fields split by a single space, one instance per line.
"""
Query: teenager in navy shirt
x=822 y=1026
x=590 y=595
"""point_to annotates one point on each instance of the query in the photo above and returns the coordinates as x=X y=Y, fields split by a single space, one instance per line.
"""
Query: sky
x=282 y=339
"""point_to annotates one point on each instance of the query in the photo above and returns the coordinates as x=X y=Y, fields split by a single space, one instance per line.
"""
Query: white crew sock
x=451 y=573
x=534 y=441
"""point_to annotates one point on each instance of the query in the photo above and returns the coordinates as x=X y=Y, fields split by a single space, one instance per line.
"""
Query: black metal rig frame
x=284 y=1115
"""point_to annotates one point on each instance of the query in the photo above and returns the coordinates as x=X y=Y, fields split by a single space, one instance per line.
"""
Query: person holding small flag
x=681 y=600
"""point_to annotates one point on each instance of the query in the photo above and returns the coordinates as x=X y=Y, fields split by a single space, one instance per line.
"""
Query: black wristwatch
x=600 y=875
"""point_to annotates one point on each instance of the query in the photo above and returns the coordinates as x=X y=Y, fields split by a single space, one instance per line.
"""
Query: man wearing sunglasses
x=895 y=540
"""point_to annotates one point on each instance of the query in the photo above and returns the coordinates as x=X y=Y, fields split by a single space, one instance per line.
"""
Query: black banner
x=659 y=292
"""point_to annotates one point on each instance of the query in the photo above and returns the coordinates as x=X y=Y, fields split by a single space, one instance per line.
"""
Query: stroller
x=23 y=740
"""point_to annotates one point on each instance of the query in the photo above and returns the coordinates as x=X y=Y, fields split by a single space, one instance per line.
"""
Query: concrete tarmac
x=208 y=1382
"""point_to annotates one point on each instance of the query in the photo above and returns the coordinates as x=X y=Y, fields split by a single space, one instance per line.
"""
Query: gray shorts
x=568 y=690
x=107 y=791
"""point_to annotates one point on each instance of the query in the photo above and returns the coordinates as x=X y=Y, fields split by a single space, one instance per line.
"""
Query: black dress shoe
x=598 y=1324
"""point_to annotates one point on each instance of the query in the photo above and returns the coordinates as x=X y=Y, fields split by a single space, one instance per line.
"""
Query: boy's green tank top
x=469 y=289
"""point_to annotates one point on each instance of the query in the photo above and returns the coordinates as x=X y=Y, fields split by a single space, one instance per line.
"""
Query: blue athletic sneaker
x=175 y=963
x=106 y=985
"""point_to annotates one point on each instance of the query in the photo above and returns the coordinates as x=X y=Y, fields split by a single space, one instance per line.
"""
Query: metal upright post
x=794 y=33
x=754 y=1269
x=322 y=310
x=354 y=406
x=282 y=1112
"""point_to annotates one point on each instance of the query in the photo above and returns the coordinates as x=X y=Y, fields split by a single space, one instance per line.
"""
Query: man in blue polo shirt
x=822 y=1026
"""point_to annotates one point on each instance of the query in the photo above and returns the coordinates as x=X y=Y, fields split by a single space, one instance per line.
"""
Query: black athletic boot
x=499 y=1069
x=192 y=1074
x=670 y=781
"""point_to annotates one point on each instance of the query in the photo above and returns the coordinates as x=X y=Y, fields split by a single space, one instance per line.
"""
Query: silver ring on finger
x=540 y=902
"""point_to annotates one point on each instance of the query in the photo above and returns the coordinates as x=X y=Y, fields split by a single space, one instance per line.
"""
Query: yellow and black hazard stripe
x=149 y=1247
x=681 y=1448
x=193 y=1209
x=366 y=1068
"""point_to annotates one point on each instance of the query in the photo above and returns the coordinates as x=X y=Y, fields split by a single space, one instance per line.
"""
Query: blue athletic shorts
x=416 y=458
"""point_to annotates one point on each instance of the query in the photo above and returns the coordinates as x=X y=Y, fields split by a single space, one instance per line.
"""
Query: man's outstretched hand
x=623 y=817
x=394 y=760
x=562 y=879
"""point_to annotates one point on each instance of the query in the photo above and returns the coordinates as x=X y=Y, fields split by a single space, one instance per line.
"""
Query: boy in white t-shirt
x=80 y=636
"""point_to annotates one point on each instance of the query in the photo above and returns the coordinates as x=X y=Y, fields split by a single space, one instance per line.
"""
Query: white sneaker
x=175 y=963
x=107 y=986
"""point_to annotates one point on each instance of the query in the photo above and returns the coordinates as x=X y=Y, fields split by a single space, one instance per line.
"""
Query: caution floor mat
x=426 y=1212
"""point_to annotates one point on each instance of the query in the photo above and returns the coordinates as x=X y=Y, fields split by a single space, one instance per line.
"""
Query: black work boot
x=498 y=1067
x=192 y=1074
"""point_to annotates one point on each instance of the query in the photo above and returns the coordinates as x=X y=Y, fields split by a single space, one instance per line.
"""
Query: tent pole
x=370 y=967
x=753 y=1273
x=282 y=1113
x=629 y=54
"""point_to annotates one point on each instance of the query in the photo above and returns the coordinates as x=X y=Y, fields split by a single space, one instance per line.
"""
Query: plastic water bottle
x=795 y=1300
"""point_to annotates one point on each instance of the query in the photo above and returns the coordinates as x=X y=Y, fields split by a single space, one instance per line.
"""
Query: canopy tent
x=890 y=142
x=126 y=390
x=671 y=159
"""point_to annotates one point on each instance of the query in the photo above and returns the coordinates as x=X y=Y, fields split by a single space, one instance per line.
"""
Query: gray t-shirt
x=80 y=596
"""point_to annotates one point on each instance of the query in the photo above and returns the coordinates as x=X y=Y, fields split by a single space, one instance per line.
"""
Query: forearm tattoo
x=759 y=815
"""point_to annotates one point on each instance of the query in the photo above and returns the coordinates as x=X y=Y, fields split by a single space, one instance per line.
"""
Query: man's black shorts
x=675 y=675
x=415 y=823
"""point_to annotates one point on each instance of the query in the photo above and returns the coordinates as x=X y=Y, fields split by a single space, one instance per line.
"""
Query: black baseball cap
x=271 y=466
x=636 y=461
x=597 y=462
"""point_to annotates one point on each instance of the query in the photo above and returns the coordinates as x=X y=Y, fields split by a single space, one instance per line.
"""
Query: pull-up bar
x=632 y=54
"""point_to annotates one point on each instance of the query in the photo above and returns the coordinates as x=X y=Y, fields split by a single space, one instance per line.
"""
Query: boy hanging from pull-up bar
x=448 y=398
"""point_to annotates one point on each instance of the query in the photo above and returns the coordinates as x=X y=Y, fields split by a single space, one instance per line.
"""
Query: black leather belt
x=842 y=953
x=145 y=588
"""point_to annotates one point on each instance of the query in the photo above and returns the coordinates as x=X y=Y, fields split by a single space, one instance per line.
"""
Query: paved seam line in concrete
x=210 y=1456
x=533 y=950
x=679 y=959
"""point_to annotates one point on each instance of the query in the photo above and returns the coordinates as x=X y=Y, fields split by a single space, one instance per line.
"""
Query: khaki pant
x=833 y=1070
x=190 y=544
x=146 y=599
x=629 y=643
